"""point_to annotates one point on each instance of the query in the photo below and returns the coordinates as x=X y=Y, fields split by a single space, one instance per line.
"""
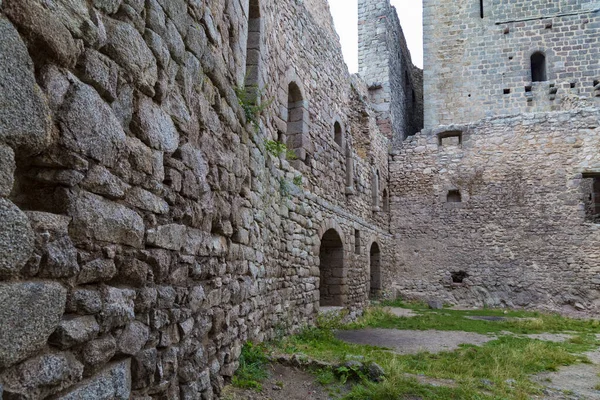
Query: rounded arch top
x=330 y=224
x=291 y=77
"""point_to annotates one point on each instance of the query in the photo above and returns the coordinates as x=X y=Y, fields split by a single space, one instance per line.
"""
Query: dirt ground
x=284 y=383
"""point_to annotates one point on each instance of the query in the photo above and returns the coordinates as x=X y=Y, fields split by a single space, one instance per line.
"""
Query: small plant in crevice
x=297 y=180
x=276 y=148
x=248 y=97
x=252 y=370
x=284 y=188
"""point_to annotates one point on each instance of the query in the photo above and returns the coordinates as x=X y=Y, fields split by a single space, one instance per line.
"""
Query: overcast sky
x=345 y=15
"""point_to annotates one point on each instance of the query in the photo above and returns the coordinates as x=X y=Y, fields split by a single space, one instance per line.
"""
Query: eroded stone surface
x=155 y=127
x=16 y=238
x=43 y=375
x=24 y=115
x=114 y=383
x=96 y=218
x=127 y=47
x=30 y=312
x=89 y=126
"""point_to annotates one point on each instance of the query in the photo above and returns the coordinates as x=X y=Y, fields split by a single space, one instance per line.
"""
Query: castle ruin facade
x=179 y=177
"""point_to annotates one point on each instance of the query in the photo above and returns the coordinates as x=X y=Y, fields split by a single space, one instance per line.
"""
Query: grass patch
x=252 y=370
x=500 y=369
x=520 y=322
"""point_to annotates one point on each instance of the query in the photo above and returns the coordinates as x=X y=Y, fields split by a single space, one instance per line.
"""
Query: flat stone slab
x=550 y=337
x=486 y=318
x=401 y=312
x=579 y=380
x=413 y=342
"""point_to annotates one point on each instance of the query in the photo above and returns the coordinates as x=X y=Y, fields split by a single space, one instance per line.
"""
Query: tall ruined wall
x=385 y=64
x=147 y=232
x=478 y=67
x=518 y=234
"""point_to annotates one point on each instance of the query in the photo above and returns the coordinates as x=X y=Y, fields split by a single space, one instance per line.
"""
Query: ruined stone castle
x=179 y=177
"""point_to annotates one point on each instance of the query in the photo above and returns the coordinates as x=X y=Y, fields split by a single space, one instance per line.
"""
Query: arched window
x=538 y=67
x=253 y=49
x=338 y=134
x=297 y=122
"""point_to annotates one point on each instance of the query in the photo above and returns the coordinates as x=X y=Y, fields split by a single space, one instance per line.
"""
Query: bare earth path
x=284 y=383
x=412 y=342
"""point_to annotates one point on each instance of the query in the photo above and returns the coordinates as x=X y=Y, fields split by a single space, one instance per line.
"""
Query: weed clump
x=252 y=370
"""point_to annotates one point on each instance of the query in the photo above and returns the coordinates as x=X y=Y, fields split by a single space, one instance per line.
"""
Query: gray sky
x=345 y=15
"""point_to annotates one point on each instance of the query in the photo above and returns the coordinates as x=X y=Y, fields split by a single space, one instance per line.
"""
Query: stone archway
x=375 y=271
x=332 y=286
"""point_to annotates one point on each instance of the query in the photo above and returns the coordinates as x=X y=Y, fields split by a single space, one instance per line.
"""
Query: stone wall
x=481 y=67
x=519 y=235
x=395 y=87
x=148 y=231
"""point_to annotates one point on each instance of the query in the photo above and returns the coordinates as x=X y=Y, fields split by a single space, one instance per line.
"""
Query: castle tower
x=484 y=58
x=384 y=62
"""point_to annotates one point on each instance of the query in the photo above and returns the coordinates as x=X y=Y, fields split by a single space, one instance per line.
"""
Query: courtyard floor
x=407 y=351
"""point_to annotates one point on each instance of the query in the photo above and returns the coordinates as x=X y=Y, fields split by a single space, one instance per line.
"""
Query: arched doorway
x=375 y=268
x=332 y=286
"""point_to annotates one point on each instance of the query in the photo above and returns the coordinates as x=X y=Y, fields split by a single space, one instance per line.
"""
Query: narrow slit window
x=481 y=12
x=356 y=241
x=338 y=134
x=386 y=201
x=297 y=125
x=253 y=49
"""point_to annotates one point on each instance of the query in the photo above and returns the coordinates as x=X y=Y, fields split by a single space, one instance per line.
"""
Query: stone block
x=108 y=6
x=170 y=237
x=118 y=307
x=100 y=351
x=50 y=38
x=95 y=218
x=144 y=200
x=113 y=383
x=84 y=301
x=24 y=115
x=7 y=170
x=42 y=376
x=143 y=368
x=16 y=239
x=74 y=330
x=100 y=72
x=59 y=259
x=89 y=126
x=97 y=270
x=127 y=47
x=133 y=338
x=155 y=127
x=100 y=181
x=30 y=312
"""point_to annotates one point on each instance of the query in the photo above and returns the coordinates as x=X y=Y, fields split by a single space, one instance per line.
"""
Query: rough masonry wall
x=480 y=67
x=520 y=233
x=385 y=64
x=147 y=233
